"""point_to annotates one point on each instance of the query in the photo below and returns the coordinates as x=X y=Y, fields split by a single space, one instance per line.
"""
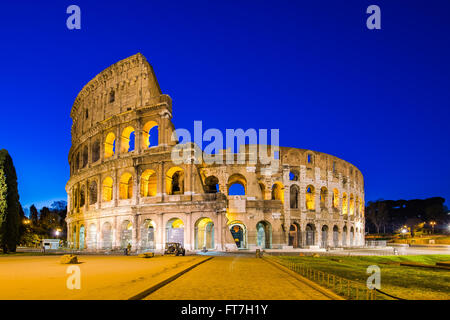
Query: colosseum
x=125 y=189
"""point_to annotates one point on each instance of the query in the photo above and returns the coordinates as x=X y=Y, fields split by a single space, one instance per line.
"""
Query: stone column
x=188 y=243
x=161 y=229
x=318 y=241
x=135 y=234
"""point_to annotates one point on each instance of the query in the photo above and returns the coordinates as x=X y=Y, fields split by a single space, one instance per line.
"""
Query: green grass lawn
x=401 y=281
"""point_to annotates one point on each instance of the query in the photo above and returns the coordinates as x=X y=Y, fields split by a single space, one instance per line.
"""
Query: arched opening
x=324 y=236
x=148 y=183
x=85 y=156
x=323 y=197
x=335 y=198
x=127 y=140
x=82 y=196
x=82 y=237
x=336 y=236
x=295 y=235
x=293 y=195
x=175 y=231
x=264 y=235
x=107 y=189
x=238 y=231
x=293 y=175
x=93 y=192
x=211 y=184
x=352 y=204
x=92 y=237
x=344 y=203
x=126 y=232
x=150 y=135
x=262 y=188
x=77 y=161
x=126 y=186
x=204 y=234
x=110 y=145
x=310 y=235
x=344 y=236
x=237 y=185
x=75 y=198
x=278 y=191
x=175 y=181
x=95 y=150
x=106 y=236
x=310 y=198
x=148 y=235
x=352 y=236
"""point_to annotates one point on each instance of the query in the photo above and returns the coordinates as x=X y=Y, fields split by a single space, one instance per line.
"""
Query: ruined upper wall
x=124 y=86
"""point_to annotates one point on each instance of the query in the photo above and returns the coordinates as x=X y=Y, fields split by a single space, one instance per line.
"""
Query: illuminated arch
x=148 y=228
x=323 y=197
x=344 y=203
x=335 y=198
x=110 y=145
x=126 y=186
x=150 y=134
x=175 y=231
x=239 y=179
x=310 y=198
x=262 y=187
x=107 y=189
x=239 y=233
x=204 y=234
x=126 y=233
x=352 y=204
x=264 y=234
x=127 y=140
x=175 y=181
x=148 y=183
x=278 y=191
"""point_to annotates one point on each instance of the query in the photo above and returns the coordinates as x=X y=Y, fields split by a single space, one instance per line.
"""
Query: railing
x=349 y=289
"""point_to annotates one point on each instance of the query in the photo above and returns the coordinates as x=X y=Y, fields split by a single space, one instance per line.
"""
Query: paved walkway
x=237 y=278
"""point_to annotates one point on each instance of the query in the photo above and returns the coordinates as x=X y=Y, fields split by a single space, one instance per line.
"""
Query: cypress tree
x=9 y=204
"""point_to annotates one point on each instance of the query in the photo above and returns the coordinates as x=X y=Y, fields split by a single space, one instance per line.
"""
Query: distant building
x=51 y=244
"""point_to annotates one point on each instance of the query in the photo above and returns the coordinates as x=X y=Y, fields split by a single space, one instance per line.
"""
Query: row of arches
x=299 y=238
x=148 y=187
x=103 y=239
x=128 y=140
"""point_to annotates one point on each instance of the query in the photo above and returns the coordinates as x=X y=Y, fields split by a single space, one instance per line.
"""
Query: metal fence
x=349 y=289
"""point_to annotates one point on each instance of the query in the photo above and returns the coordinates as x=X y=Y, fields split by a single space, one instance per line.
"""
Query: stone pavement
x=237 y=278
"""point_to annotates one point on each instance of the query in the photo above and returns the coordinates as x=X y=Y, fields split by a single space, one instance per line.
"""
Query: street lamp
x=432 y=226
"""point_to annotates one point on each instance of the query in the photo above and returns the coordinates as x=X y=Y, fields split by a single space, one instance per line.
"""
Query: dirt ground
x=102 y=277
x=121 y=277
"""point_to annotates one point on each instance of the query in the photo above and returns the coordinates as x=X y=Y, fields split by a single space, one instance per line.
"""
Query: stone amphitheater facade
x=124 y=187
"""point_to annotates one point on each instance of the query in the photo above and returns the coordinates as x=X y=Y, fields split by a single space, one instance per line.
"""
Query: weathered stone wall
x=105 y=190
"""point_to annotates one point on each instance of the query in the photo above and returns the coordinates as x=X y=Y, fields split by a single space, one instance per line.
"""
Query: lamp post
x=432 y=226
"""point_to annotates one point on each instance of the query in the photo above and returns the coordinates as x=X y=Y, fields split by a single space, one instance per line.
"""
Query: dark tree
x=377 y=214
x=34 y=215
x=9 y=204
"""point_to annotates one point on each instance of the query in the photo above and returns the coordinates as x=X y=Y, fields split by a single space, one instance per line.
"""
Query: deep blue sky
x=378 y=99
